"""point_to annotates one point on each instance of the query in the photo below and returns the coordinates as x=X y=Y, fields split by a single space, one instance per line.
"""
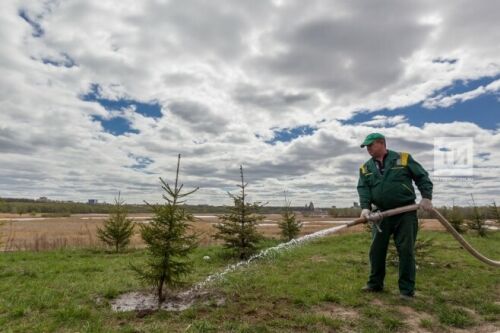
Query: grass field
x=313 y=288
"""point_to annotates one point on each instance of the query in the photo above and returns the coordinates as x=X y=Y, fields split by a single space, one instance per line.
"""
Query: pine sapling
x=168 y=241
x=423 y=251
x=477 y=222
x=456 y=219
x=289 y=225
x=238 y=229
x=118 y=228
x=495 y=212
x=1 y=236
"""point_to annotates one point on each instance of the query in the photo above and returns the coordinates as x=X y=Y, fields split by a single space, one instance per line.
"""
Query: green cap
x=370 y=138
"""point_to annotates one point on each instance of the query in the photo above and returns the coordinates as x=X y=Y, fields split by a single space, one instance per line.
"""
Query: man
x=385 y=181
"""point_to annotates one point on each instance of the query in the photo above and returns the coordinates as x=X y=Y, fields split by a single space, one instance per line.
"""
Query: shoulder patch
x=363 y=168
x=404 y=158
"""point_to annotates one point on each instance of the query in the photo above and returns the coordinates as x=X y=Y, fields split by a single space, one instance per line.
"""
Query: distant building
x=43 y=199
x=92 y=202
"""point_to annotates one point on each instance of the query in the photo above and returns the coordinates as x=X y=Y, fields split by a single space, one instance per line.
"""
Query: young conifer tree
x=168 y=240
x=1 y=223
x=495 y=212
x=238 y=228
x=477 y=221
x=1 y=241
x=118 y=228
x=456 y=219
x=289 y=225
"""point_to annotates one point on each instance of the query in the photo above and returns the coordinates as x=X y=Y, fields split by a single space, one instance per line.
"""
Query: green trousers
x=404 y=227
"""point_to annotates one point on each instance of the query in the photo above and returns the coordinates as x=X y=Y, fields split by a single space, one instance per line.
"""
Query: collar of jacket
x=391 y=155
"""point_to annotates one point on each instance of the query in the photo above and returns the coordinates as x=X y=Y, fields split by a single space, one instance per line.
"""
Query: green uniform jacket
x=394 y=188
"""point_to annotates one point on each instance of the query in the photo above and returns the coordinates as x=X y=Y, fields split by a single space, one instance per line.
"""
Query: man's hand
x=426 y=204
x=365 y=212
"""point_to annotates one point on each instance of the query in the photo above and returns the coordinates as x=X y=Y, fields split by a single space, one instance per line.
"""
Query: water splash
x=264 y=253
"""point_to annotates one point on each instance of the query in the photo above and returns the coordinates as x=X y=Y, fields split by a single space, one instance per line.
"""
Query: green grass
x=312 y=288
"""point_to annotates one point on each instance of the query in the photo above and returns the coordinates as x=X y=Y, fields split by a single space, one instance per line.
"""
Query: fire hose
x=376 y=218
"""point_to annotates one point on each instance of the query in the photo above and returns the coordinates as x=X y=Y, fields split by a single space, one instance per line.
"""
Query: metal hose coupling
x=375 y=218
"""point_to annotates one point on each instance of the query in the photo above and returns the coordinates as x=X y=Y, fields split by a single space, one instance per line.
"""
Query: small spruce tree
x=495 y=212
x=118 y=228
x=333 y=212
x=1 y=236
x=1 y=223
x=289 y=225
x=477 y=221
x=168 y=240
x=423 y=251
x=456 y=219
x=238 y=228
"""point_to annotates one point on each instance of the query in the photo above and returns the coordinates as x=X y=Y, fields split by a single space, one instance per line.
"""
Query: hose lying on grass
x=462 y=241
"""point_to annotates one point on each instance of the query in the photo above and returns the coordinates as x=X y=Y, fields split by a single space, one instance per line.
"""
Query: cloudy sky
x=99 y=96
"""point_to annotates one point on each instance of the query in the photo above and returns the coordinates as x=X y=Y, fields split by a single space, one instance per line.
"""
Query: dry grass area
x=37 y=233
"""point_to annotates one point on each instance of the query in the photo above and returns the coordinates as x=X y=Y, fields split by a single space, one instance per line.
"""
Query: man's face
x=376 y=149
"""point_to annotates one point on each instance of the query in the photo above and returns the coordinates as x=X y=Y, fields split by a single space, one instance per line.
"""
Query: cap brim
x=366 y=143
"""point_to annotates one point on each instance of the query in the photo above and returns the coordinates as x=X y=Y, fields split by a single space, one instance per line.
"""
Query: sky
x=99 y=97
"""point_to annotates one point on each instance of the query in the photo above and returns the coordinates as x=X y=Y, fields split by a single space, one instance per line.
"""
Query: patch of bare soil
x=333 y=310
x=431 y=224
x=413 y=319
x=318 y=258
x=145 y=302
x=482 y=328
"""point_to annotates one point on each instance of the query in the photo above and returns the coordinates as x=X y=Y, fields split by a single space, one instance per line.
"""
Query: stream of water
x=265 y=253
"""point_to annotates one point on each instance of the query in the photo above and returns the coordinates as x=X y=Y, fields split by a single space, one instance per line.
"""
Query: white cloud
x=227 y=73
x=446 y=101
x=385 y=121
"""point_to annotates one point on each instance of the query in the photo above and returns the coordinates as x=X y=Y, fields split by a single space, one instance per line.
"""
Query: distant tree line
x=29 y=206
